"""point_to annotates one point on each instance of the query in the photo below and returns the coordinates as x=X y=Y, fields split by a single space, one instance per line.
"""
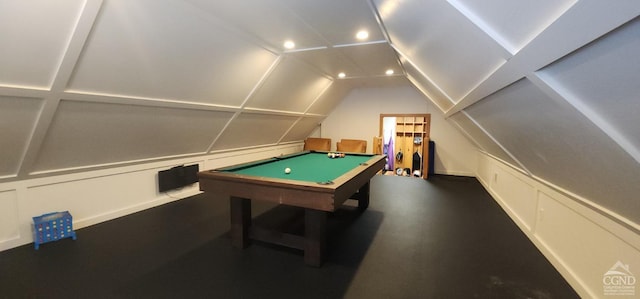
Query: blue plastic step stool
x=52 y=227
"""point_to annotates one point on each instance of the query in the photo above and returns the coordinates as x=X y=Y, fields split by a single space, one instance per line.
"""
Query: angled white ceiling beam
x=78 y=39
x=571 y=31
x=246 y=100
x=504 y=149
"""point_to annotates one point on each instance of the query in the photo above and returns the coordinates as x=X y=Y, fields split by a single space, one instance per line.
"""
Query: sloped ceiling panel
x=302 y=129
x=356 y=61
x=274 y=21
x=426 y=86
x=31 y=55
x=557 y=143
x=269 y=21
x=378 y=82
x=452 y=51
x=338 y=19
x=86 y=134
x=292 y=86
x=252 y=129
x=18 y=117
x=107 y=72
x=602 y=80
x=168 y=50
x=513 y=23
x=582 y=23
x=480 y=137
x=330 y=98
x=369 y=57
x=330 y=61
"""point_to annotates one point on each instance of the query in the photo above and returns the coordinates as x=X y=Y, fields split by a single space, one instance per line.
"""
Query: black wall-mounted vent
x=177 y=177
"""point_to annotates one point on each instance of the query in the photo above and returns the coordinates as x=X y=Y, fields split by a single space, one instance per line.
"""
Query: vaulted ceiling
x=85 y=84
x=549 y=86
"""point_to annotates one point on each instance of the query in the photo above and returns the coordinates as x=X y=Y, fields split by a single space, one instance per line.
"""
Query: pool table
x=316 y=182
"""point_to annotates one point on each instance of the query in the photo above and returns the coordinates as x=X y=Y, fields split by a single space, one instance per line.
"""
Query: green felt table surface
x=312 y=167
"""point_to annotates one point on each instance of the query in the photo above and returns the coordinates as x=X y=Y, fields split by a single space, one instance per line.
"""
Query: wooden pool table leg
x=240 y=221
x=363 y=197
x=315 y=228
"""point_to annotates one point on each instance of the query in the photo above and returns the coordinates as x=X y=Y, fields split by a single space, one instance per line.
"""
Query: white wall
x=96 y=196
x=581 y=239
x=358 y=117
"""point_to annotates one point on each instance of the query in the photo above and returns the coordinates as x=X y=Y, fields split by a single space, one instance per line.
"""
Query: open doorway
x=405 y=142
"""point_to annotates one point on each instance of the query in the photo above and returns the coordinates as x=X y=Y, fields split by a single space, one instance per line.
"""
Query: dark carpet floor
x=441 y=238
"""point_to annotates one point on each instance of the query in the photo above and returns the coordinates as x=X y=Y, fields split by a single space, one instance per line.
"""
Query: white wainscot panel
x=97 y=199
x=97 y=196
x=582 y=246
x=9 y=224
x=518 y=196
x=485 y=169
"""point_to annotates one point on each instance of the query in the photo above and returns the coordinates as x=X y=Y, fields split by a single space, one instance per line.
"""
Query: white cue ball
x=287 y=170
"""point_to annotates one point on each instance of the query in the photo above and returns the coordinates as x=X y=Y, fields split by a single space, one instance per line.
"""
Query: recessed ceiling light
x=288 y=44
x=362 y=35
x=389 y=72
x=342 y=75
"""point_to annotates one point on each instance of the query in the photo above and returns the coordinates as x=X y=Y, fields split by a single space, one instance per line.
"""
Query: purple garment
x=390 y=155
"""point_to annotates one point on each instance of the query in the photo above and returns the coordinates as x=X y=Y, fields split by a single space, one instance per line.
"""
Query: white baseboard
x=453 y=172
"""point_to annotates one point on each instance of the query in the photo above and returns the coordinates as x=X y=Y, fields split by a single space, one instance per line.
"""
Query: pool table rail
x=292 y=192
